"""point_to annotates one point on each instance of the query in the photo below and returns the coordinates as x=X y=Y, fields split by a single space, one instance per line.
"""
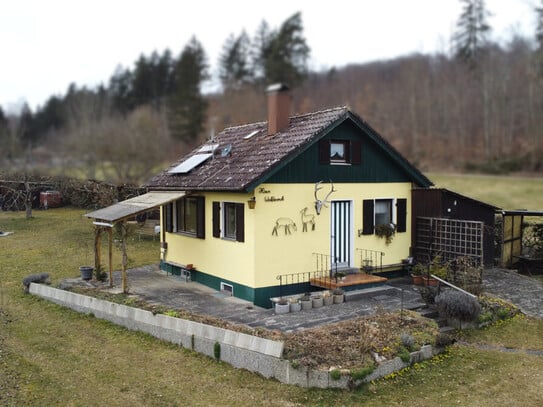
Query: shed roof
x=246 y=156
x=134 y=206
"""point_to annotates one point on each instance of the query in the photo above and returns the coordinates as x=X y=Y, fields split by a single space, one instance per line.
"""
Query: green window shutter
x=324 y=152
x=240 y=222
x=356 y=152
x=200 y=217
x=367 y=217
x=216 y=219
x=401 y=215
x=168 y=209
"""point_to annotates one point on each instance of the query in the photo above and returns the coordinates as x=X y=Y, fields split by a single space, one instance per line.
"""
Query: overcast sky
x=48 y=44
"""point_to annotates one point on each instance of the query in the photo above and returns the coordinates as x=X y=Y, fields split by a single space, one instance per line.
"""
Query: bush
x=404 y=355
x=428 y=294
x=408 y=341
x=443 y=340
x=335 y=374
x=359 y=374
x=217 y=350
x=455 y=304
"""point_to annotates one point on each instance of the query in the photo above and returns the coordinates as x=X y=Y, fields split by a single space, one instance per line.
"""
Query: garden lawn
x=54 y=356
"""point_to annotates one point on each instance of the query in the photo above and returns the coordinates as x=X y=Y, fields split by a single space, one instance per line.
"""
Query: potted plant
x=416 y=273
x=306 y=302
x=327 y=298
x=436 y=268
x=339 y=295
x=282 y=306
x=386 y=230
x=317 y=301
x=295 y=304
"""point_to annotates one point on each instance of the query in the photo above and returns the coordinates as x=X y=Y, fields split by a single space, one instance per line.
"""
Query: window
x=383 y=211
x=229 y=221
x=229 y=226
x=340 y=152
x=186 y=216
x=380 y=211
x=337 y=151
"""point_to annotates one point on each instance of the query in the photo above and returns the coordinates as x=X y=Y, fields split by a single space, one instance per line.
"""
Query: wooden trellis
x=450 y=238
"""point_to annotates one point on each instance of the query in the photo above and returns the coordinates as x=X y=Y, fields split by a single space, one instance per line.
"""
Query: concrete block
x=297 y=376
x=426 y=352
x=317 y=378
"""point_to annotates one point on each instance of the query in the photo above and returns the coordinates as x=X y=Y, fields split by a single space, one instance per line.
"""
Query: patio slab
x=155 y=286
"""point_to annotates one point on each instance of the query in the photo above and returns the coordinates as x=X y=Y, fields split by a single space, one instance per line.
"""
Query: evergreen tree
x=539 y=41
x=288 y=54
x=472 y=34
x=281 y=56
x=121 y=90
x=25 y=130
x=187 y=106
x=234 y=69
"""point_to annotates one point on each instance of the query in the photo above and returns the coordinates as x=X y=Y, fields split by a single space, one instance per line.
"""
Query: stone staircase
x=431 y=313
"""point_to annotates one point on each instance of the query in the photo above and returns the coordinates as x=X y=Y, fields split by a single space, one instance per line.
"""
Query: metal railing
x=371 y=261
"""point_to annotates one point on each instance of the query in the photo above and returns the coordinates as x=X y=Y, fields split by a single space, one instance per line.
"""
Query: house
x=266 y=204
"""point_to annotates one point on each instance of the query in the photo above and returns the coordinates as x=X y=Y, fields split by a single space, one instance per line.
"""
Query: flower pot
x=317 y=302
x=306 y=304
x=339 y=298
x=295 y=306
x=417 y=280
x=86 y=272
x=282 y=308
x=430 y=282
x=328 y=300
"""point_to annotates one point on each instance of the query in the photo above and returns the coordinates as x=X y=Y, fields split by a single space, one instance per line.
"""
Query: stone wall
x=240 y=350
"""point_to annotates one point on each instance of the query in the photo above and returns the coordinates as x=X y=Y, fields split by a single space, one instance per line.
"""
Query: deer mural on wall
x=307 y=219
x=320 y=203
x=285 y=223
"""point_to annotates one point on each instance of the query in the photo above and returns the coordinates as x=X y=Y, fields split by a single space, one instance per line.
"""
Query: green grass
x=501 y=191
x=53 y=356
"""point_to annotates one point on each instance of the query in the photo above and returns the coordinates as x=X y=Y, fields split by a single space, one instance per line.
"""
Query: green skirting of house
x=258 y=296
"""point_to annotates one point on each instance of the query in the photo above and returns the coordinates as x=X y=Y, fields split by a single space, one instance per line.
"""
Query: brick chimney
x=278 y=108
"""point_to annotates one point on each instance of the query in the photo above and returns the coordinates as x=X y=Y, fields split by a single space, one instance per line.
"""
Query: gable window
x=381 y=211
x=340 y=152
x=229 y=221
x=337 y=151
x=186 y=216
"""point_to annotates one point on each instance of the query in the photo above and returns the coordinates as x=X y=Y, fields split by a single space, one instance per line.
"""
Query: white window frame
x=392 y=210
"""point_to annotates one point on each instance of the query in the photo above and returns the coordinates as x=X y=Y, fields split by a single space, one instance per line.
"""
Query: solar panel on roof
x=248 y=136
x=190 y=163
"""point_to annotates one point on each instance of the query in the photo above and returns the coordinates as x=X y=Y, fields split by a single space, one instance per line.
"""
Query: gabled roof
x=246 y=156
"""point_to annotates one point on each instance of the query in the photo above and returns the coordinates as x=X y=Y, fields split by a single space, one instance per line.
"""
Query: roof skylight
x=248 y=136
x=190 y=163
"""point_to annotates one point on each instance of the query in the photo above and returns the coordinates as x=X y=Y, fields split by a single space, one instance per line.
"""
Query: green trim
x=364 y=131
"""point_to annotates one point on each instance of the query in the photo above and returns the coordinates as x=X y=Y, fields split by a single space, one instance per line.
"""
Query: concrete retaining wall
x=242 y=351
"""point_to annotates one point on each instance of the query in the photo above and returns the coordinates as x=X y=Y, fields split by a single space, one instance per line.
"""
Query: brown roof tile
x=249 y=159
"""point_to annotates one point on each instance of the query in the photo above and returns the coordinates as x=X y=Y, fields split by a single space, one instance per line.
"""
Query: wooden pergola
x=106 y=218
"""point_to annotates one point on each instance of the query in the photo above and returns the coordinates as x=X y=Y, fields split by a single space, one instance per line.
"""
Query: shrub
x=335 y=374
x=217 y=350
x=428 y=294
x=359 y=374
x=404 y=354
x=444 y=340
x=455 y=304
x=408 y=341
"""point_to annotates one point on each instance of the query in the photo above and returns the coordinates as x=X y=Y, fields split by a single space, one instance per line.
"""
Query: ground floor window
x=186 y=216
x=381 y=212
x=229 y=220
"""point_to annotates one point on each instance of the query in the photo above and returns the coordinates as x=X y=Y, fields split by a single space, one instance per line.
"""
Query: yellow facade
x=273 y=245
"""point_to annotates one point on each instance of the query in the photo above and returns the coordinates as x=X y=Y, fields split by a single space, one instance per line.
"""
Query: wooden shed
x=440 y=203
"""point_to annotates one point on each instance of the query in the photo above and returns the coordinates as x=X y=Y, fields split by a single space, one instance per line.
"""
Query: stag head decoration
x=320 y=203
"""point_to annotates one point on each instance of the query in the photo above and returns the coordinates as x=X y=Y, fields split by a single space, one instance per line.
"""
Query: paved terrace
x=155 y=286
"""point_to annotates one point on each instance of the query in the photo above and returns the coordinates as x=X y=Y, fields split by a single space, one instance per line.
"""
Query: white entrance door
x=342 y=235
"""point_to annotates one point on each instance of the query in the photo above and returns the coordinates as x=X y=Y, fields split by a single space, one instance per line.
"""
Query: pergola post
x=97 y=249
x=110 y=234
x=124 y=233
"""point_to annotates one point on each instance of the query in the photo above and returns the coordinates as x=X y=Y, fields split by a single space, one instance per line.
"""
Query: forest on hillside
x=478 y=107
